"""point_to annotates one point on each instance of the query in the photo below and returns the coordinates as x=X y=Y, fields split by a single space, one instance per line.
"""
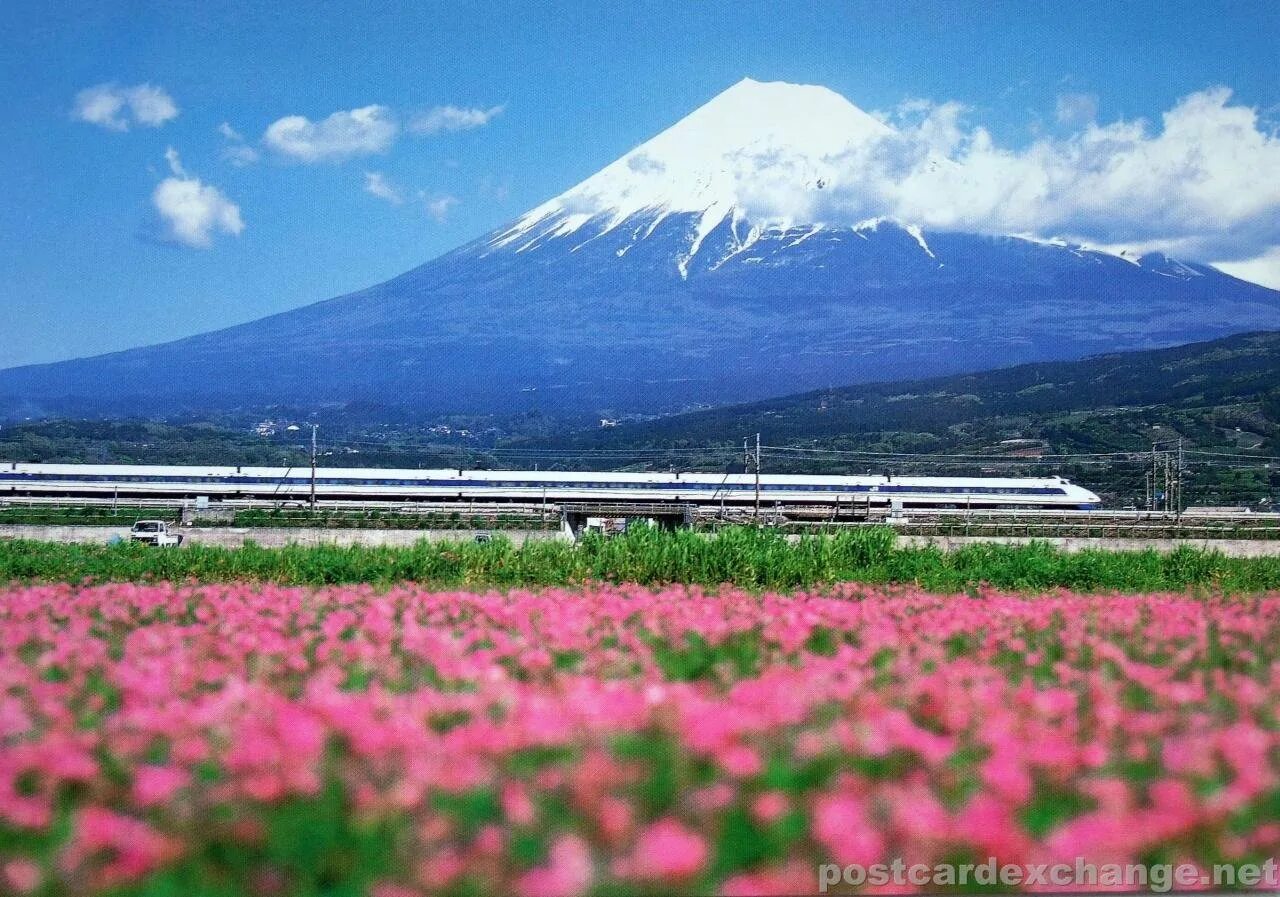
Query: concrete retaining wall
x=270 y=537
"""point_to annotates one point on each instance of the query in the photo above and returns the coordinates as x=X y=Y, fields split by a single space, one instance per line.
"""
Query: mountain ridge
x=1242 y=368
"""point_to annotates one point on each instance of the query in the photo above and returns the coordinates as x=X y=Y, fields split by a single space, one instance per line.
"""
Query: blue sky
x=527 y=99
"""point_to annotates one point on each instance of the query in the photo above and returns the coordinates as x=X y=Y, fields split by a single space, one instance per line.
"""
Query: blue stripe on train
x=888 y=488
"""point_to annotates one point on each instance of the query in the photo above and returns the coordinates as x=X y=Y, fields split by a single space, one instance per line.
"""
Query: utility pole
x=757 y=459
x=1155 y=480
x=313 y=466
x=1178 y=506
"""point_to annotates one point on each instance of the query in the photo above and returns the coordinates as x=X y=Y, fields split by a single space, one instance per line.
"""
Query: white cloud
x=1204 y=186
x=448 y=119
x=1265 y=269
x=376 y=183
x=174 y=161
x=151 y=105
x=235 y=150
x=1077 y=108
x=495 y=188
x=439 y=207
x=358 y=132
x=240 y=154
x=115 y=108
x=190 y=211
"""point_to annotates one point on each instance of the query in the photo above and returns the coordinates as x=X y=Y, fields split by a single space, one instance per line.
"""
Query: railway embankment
x=278 y=537
x=268 y=537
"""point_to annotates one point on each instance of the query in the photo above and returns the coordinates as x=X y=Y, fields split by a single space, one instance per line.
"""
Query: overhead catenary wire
x=721 y=449
x=1190 y=457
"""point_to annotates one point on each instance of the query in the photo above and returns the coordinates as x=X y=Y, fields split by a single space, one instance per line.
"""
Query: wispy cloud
x=115 y=108
x=190 y=211
x=235 y=149
x=436 y=205
x=376 y=184
x=449 y=119
x=343 y=135
x=439 y=207
x=1077 y=108
x=497 y=189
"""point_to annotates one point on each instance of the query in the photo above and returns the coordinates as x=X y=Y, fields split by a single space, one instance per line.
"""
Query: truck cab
x=154 y=532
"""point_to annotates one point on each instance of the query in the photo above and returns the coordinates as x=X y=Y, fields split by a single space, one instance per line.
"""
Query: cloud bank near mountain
x=1204 y=185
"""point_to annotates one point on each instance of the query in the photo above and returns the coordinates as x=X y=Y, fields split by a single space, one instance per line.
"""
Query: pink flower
x=1093 y=755
x=711 y=798
x=740 y=761
x=614 y=817
x=568 y=871
x=795 y=877
x=391 y=889
x=23 y=875
x=769 y=807
x=516 y=805
x=155 y=785
x=668 y=851
x=840 y=824
x=1103 y=837
x=992 y=828
x=1006 y=777
x=132 y=847
x=440 y=869
x=488 y=841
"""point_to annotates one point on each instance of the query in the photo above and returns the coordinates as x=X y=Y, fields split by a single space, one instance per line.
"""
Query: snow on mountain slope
x=759 y=155
x=759 y=159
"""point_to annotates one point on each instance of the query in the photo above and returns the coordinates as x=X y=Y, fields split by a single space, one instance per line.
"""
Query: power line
x=1268 y=458
x=1191 y=458
x=550 y=452
x=970 y=456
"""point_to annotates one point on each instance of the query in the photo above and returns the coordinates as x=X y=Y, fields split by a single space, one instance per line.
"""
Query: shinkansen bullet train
x=527 y=486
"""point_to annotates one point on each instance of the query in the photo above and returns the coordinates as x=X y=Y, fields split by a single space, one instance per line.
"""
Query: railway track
x=794 y=518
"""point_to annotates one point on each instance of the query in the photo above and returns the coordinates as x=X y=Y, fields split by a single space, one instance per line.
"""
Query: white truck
x=154 y=532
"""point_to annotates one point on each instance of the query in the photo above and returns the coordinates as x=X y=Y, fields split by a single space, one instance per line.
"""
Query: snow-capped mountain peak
x=759 y=154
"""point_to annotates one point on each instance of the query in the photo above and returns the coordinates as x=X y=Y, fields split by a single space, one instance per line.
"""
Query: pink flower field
x=202 y=740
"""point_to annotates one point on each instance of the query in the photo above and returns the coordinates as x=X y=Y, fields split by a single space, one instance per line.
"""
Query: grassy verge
x=743 y=556
x=125 y=515
x=88 y=515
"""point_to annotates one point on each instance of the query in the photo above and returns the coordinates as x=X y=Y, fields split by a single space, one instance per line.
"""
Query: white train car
x=526 y=486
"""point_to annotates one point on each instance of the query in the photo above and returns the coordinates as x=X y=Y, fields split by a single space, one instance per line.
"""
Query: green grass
x=743 y=556
x=125 y=515
x=86 y=515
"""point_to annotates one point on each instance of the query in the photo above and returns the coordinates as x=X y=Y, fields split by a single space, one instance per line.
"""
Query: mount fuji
x=725 y=259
